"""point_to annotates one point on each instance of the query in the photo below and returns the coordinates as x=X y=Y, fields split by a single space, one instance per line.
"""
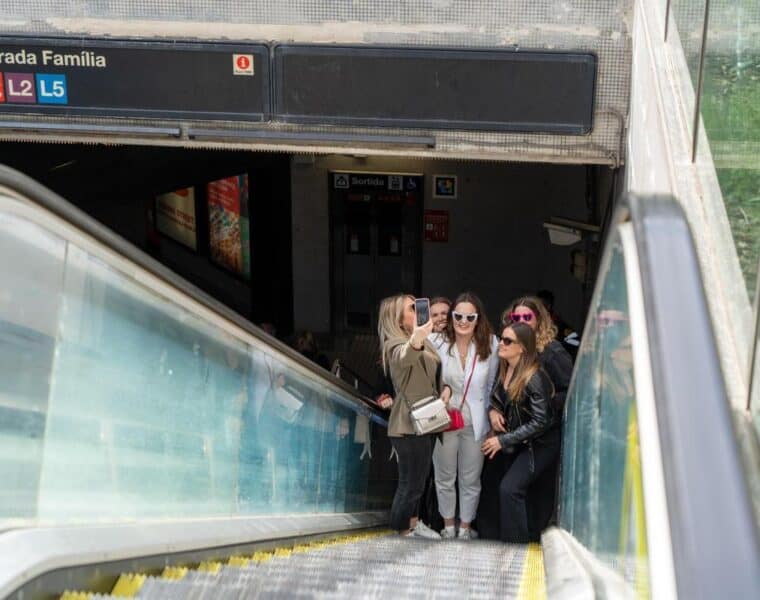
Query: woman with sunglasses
x=558 y=364
x=528 y=443
x=468 y=366
x=412 y=361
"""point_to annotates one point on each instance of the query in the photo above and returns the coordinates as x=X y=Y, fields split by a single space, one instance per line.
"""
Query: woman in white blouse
x=469 y=364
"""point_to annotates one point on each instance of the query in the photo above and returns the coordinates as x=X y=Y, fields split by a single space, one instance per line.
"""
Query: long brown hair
x=546 y=330
x=483 y=333
x=526 y=367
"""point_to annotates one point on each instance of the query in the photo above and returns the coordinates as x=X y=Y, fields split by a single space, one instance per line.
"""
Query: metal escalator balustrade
x=128 y=397
x=652 y=481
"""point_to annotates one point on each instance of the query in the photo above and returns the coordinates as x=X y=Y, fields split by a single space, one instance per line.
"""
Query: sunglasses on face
x=471 y=318
x=516 y=317
x=507 y=341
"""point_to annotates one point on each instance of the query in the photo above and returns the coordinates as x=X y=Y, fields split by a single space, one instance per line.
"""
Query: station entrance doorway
x=375 y=224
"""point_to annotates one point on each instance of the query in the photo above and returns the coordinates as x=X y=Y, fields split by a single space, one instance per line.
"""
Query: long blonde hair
x=389 y=325
x=546 y=330
x=526 y=367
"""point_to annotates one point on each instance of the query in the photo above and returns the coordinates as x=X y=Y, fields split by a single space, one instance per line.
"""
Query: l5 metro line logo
x=242 y=64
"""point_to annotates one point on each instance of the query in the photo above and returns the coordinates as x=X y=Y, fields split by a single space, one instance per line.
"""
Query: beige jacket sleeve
x=402 y=353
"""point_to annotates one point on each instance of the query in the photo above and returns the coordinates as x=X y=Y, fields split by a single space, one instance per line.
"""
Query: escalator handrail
x=40 y=562
x=27 y=188
x=714 y=536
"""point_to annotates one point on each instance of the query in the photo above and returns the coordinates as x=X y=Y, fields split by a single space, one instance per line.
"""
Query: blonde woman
x=412 y=362
x=553 y=357
x=522 y=417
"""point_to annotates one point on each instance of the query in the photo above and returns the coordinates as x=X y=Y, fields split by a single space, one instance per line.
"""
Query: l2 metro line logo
x=242 y=64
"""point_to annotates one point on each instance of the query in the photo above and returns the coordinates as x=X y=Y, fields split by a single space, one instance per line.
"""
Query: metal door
x=376 y=250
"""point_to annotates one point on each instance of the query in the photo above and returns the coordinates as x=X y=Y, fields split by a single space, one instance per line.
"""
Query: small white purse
x=429 y=415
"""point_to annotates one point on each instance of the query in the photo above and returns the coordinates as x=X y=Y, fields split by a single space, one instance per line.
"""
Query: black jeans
x=513 y=488
x=542 y=497
x=415 y=455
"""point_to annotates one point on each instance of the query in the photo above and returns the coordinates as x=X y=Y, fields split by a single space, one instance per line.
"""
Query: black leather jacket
x=531 y=417
x=558 y=364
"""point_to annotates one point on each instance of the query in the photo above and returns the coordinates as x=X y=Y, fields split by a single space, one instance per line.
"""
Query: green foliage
x=741 y=193
x=731 y=113
x=731 y=98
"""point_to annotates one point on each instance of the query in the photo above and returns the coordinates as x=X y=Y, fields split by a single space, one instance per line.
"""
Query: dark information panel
x=484 y=90
x=131 y=78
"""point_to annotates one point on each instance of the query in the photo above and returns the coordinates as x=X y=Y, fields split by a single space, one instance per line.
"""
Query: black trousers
x=504 y=512
x=542 y=498
x=415 y=455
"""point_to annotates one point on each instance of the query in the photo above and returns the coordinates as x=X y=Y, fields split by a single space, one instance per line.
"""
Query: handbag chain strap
x=469 y=379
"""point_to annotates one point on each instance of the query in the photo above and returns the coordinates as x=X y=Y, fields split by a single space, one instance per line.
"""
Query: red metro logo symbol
x=242 y=64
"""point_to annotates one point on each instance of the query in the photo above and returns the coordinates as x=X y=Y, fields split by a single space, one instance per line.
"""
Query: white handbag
x=429 y=415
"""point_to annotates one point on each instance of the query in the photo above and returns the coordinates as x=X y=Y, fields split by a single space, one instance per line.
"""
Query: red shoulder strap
x=469 y=379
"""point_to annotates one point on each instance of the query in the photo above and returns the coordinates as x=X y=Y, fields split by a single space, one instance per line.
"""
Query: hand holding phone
x=424 y=325
x=422 y=310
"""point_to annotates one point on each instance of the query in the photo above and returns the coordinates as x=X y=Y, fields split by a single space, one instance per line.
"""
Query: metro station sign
x=134 y=79
x=308 y=84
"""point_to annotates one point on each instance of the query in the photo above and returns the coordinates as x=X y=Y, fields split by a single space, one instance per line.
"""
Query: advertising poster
x=229 y=227
x=175 y=216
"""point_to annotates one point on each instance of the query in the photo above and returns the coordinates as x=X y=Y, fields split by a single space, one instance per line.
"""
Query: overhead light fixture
x=559 y=235
x=566 y=232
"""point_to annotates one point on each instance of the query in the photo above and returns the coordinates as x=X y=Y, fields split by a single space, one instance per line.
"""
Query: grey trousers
x=458 y=456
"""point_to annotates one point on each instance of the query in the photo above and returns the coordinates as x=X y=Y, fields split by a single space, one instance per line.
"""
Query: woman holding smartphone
x=412 y=362
x=469 y=364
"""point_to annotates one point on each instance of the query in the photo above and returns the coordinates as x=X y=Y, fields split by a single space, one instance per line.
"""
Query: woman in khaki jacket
x=413 y=363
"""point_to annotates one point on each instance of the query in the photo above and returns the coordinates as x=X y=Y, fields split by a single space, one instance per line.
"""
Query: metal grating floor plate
x=387 y=567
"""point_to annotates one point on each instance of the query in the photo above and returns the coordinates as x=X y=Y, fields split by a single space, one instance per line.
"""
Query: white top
x=456 y=377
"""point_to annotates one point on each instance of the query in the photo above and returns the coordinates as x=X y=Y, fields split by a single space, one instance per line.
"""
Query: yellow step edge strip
x=174 y=573
x=209 y=566
x=239 y=561
x=128 y=584
x=533 y=582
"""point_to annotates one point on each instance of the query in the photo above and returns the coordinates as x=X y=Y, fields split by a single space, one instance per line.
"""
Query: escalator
x=378 y=565
x=154 y=444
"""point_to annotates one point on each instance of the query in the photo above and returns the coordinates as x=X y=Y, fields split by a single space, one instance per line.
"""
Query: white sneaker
x=448 y=533
x=467 y=533
x=423 y=531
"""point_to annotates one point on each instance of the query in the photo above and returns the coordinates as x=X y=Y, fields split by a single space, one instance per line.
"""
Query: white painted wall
x=497 y=246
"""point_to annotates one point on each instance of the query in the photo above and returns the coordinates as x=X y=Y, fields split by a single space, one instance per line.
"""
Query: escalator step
x=128 y=585
x=358 y=566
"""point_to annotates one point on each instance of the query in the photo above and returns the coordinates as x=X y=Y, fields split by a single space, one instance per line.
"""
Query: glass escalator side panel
x=122 y=403
x=32 y=269
x=601 y=501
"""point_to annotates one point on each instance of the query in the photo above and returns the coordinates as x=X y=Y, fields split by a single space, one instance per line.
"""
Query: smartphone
x=422 y=309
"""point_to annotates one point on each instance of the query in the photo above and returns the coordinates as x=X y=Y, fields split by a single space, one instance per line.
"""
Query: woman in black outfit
x=552 y=355
x=558 y=364
x=525 y=434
